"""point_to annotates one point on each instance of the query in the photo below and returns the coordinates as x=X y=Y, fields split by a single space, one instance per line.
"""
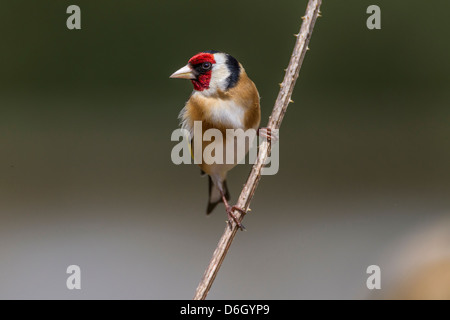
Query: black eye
x=206 y=65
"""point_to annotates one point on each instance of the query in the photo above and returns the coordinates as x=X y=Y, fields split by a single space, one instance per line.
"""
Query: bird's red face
x=210 y=72
x=198 y=70
x=202 y=64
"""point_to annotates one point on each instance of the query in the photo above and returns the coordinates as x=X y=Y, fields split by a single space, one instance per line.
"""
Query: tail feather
x=214 y=195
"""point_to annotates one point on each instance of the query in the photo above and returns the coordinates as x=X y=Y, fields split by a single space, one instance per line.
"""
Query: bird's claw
x=270 y=135
x=232 y=217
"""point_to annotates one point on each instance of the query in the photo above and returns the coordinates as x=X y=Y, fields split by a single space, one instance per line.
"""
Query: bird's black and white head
x=211 y=71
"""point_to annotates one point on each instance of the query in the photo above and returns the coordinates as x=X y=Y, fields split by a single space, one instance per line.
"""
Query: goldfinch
x=224 y=97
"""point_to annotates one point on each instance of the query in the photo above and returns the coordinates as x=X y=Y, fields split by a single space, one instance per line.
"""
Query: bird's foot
x=232 y=217
x=270 y=135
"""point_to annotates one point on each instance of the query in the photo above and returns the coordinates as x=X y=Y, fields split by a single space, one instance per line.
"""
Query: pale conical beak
x=183 y=73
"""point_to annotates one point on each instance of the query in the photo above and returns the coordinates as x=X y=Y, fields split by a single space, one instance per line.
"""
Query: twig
x=283 y=99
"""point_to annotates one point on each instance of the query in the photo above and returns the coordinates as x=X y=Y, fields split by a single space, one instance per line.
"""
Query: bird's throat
x=202 y=81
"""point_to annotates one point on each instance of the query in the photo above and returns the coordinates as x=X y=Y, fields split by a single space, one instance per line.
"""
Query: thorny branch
x=283 y=100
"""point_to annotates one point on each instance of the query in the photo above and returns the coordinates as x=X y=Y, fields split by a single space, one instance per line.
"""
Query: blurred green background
x=85 y=171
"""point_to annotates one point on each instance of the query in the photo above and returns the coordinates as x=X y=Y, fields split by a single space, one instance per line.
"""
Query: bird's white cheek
x=219 y=76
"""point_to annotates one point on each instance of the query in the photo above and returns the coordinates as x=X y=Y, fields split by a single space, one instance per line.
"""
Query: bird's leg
x=269 y=134
x=231 y=215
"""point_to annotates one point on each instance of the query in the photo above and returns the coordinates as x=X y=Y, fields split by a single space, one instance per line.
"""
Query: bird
x=224 y=97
